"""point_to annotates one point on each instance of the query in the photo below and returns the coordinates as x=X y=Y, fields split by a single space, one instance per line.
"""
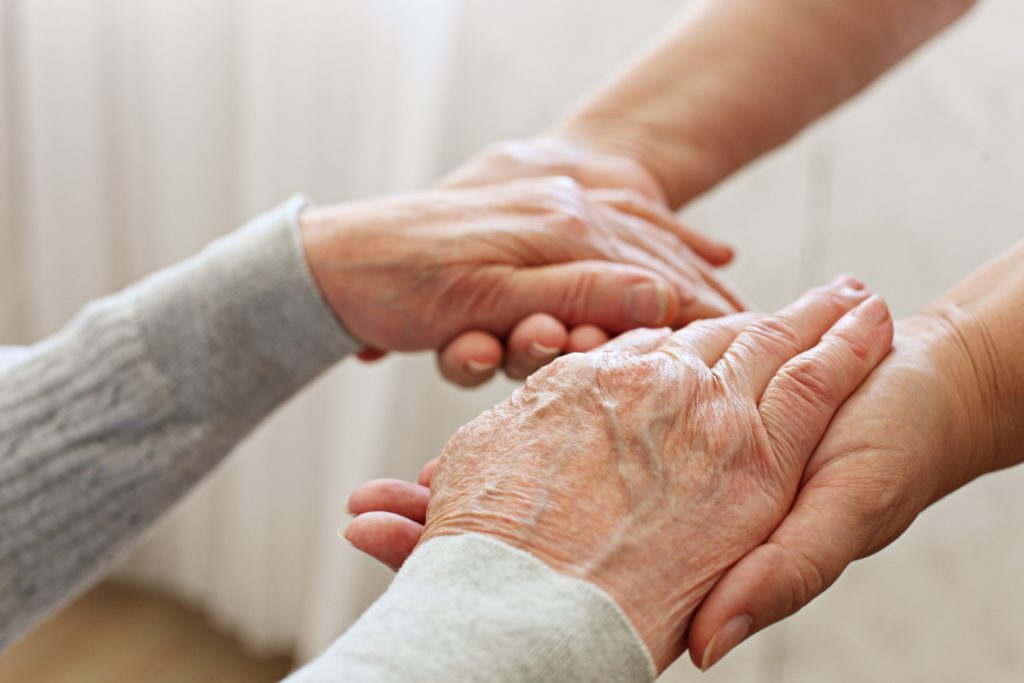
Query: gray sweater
x=107 y=424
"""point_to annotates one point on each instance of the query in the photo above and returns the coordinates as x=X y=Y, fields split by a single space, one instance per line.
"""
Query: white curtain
x=132 y=132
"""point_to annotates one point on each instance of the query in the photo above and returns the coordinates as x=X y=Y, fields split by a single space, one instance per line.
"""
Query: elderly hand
x=473 y=357
x=650 y=466
x=410 y=273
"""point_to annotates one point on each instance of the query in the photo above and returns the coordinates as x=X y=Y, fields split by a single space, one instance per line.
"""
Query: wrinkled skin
x=909 y=435
x=652 y=465
x=411 y=272
x=473 y=357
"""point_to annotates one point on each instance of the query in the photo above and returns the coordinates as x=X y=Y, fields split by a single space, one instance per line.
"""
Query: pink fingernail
x=646 y=304
x=476 y=367
x=874 y=310
x=729 y=636
x=538 y=350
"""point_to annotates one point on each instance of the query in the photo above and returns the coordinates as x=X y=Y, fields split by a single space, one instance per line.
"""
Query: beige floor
x=116 y=633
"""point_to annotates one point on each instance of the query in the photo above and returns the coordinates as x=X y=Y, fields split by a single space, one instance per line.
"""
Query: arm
x=107 y=424
x=104 y=426
x=727 y=82
x=468 y=604
x=10 y=355
x=733 y=79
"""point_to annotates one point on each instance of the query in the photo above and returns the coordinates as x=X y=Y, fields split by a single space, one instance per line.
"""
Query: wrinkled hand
x=652 y=465
x=411 y=272
x=473 y=357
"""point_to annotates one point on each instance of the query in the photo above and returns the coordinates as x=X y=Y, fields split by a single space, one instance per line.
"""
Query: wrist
x=682 y=168
x=329 y=244
x=961 y=375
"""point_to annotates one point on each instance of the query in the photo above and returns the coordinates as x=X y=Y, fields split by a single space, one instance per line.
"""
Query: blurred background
x=133 y=132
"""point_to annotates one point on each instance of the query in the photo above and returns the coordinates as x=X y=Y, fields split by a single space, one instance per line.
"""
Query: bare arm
x=732 y=79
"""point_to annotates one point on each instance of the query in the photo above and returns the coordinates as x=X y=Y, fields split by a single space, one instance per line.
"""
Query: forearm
x=983 y=317
x=469 y=607
x=732 y=79
x=107 y=424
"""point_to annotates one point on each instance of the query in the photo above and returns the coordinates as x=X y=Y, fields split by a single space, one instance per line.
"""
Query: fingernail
x=729 y=636
x=845 y=280
x=341 y=533
x=476 y=367
x=646 y=303
x=538 y=350
x=873 y=311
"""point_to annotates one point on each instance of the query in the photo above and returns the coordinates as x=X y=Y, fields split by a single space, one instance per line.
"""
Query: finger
x=717 y=282
x=384 y=536
x=427 y=473
x=826 y=530
x=702 y=293
x=801 y=399
x=614 y=296
x=533 y=343
x=706 y=303
x=643 y=244
x=583 y=338
x=708 y=339
x=471 y=358
x=628 y=201
x=764 y=346
x=639 y=341
x=391 y=495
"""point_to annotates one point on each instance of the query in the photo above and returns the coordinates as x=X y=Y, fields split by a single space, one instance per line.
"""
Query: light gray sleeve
x=108 y=423
x=471 y=608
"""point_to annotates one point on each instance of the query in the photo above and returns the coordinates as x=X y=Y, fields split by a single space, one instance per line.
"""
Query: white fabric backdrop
x=134 y=131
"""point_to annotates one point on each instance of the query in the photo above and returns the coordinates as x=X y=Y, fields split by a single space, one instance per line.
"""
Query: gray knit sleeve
x=108 y=423
x=471 y=608
x=11 y=355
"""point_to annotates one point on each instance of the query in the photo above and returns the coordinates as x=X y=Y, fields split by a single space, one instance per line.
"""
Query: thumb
x=827 y=529
x=613 y=296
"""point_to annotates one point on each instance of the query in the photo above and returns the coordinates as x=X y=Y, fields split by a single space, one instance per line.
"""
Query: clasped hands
x=712 y=480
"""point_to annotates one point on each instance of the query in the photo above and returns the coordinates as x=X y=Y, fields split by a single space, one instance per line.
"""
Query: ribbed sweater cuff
x=243 y=316
x=471 y=608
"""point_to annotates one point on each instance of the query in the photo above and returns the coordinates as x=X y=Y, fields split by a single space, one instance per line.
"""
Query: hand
x=917 y=429
x=473 y=358
x=411 y=272
x=649 y=467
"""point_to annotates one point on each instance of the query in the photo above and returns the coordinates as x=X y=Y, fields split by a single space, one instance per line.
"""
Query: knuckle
x=566 y=187
x=837 y=301
x=632 y=198
x=811 y=379
x=776 y=333
x=853 y=344
x=619 y=372
x=808 y=579
x=571 y=221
